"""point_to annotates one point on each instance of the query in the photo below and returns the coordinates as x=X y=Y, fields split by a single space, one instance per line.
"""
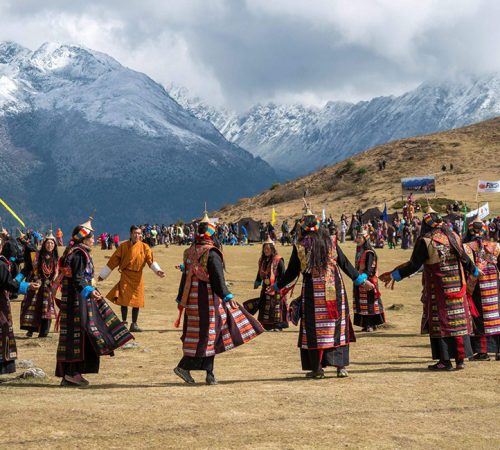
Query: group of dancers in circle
x=460 y=297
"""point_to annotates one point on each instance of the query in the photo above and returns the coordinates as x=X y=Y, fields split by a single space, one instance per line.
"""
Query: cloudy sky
x=236 y=53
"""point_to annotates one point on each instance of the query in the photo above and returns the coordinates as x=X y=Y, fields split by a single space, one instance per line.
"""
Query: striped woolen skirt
x=211 y=326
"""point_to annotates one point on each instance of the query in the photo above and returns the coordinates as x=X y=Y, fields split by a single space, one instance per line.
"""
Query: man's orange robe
x=130 y=260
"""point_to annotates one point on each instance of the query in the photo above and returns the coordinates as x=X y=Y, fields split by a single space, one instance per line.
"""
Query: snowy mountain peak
x=71 y=77
x=77 y=126
x=10 y=51
x=296 y=139
x=72 y=62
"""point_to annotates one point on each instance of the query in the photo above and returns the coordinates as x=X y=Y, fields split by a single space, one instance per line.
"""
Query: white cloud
x=239 y=52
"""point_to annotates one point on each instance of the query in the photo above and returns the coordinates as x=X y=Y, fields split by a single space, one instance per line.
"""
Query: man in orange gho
x=130 y=258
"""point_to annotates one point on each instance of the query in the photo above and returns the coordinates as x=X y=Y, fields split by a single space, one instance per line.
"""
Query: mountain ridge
x=295 y=139
x=78 y=127
x=357 y=183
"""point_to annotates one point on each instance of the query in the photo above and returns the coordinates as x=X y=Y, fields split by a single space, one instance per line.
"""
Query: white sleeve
x=105 y=271
x=155 y=267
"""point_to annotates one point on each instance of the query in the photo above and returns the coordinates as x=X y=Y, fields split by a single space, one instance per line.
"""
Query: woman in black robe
x=37 y=309
x=325 y=323
x=213 y=321
x=89 y=327
x=8 y=285
x=271 y=306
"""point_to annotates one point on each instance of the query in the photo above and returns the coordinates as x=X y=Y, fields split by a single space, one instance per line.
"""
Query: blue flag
x=385 y=214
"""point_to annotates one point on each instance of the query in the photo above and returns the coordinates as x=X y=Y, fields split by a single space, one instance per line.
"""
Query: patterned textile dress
x=368 y=308
x=89 y=328
x=37 y=308
x=272 y=307
x=485 y=292
x=211 y=326
x=446 y=314
x=8 y=350
x=325 y=323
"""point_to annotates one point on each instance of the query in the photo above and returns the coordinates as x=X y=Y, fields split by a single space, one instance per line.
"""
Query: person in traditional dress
x=446 y=315
x=368 y=308
x=59 y=237
x=325 y=323
x=11 y=252
x=8 y=350
x=130 y=258
x=37 y=308
x=272 y=307
x=484 y=291
x=213 y=321
x=89 y=328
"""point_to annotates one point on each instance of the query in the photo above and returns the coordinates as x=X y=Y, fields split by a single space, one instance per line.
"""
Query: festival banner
x=419 y=185
x=273 y=217
x=488 y=186
x=482 y=212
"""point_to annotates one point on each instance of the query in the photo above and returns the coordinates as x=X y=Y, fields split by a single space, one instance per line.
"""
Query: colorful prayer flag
x=273 y=217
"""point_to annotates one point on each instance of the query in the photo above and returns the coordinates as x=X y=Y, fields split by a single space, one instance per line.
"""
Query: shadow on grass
x=388 y=363
x=392 y=370
x=375 y=334
x=145 y=386
x=416 y=346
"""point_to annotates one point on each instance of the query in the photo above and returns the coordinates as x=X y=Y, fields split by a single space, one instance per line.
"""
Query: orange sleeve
x=115 y=259
x=149 y=255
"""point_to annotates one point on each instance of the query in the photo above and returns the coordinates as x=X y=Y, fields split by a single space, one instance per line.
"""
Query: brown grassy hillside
x=357 y=183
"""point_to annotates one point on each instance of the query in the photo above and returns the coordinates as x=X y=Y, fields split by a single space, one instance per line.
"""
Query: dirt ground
x=390 y=399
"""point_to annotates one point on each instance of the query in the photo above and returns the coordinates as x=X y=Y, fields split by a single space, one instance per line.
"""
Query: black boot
x=441 y=365
x=316 y=374
x=134 y=328
x=184 y=374
x=211 y=380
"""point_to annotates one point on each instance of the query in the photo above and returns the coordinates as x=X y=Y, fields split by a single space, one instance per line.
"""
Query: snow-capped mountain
x=78 y=130
x=296 y=139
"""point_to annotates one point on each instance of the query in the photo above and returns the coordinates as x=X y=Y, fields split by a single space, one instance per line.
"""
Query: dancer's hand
x=34 y=286
x=368 y=285
x=390 y=284
x=161 y=274
x=385 y=277
x=232 y=304
x=96 y=295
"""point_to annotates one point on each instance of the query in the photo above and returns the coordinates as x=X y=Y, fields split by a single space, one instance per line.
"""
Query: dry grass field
x=263 y=400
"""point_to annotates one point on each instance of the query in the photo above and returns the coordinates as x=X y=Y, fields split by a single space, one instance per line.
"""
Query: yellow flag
x=273 y=217
x=7 y=207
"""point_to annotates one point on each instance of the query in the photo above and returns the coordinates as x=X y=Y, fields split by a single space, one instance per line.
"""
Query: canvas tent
x=253 y=228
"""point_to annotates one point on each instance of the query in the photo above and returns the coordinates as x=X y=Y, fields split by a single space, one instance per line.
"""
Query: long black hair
x=54 y=255
x=319 y=244
x=269 y=258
